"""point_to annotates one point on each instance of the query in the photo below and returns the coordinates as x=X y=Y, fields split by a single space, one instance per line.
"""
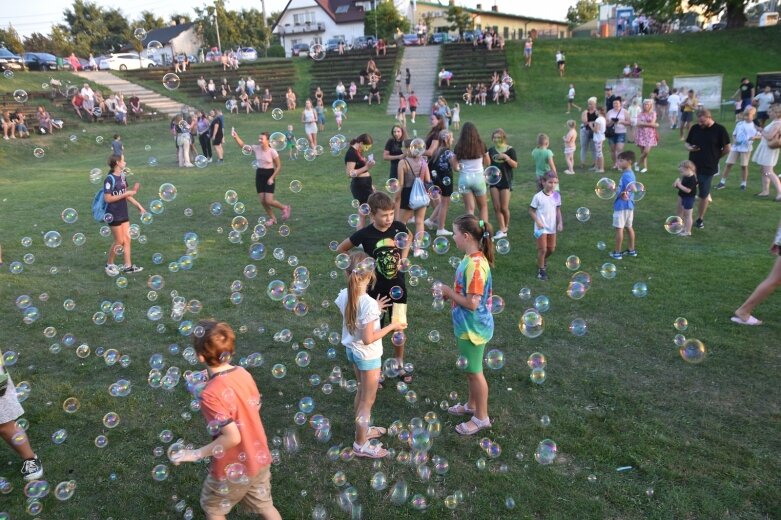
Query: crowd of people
x=90 y=105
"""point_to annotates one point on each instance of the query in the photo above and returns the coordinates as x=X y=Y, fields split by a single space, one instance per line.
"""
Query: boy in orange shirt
x=241 y=459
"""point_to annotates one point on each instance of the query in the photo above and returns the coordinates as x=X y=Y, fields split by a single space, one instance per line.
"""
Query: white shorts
x=623 y=218
x=738 y=157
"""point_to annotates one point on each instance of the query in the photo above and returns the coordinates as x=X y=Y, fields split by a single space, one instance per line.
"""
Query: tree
x=180 y=18
x=273 y=18
x=384 y=20
x=37 y=42
x=10 y=39
x=583 y=11
x=237 y=28
x=149 y=21
x=734 y=11
x=459 y=18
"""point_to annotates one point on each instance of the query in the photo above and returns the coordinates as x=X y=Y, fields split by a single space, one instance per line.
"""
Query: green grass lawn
x=701 y=440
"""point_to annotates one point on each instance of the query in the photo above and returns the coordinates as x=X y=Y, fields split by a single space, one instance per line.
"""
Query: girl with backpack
x=116 y=194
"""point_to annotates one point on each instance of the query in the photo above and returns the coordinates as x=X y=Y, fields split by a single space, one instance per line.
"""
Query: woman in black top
x=357 y=165
x=586 y=134
x=393 y=150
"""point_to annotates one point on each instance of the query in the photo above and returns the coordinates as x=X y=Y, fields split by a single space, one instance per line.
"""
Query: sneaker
x=370 y=450
x=742 y=187
x=616 y=255
x=111 y=270
x=699 y=224
x=444 y=232
x=32 y=469
x=542 y=275
x=637 y=166
x=629 y=252
x=721 y=185
x=131 y=269
x=429 y=224
x=209 y=160
x=500 y=234
x=644 y=170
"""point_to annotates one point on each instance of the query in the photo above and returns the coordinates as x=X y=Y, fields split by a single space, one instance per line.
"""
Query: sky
x=32 y=16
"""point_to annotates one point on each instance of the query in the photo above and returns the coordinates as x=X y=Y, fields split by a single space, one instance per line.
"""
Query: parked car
x=439 y=37
x=40 y=61
x=718 y=26
x=213 y=55
x=10 y=61
x=410 y=39
x=125 y=61
x=332 y=45
x=248 y=54
x=364 y=42
x=469 y=36
x=689 y=29
x=300 y=49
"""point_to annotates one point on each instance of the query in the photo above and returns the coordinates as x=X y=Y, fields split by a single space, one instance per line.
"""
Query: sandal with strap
x=460 y=409
x=472 y=426
x=369 y=450
x=375 y=432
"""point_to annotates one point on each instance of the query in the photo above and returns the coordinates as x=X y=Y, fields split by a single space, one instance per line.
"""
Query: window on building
x=342 y=9
x=302 y=18
x=506 y=32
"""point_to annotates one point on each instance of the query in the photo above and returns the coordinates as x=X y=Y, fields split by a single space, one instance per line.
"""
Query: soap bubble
x=674 y=225
x=492 y=175
x=606 y=188
x=583 y=214
x=608 y=271
x=201 y=161
x=167 y=192
x=69 y=215
x=392 y=186
x=52 y=239
x=681 y=324
x=71 y=405
x=542 y=303
x=572 y=263
x=536 y=360
x=171 y=81
x=576 y=290
x=295 y=186
x=502 y=246
x=546 y=452
x=160 y=472
x=636 y=190
x=153 y=47
x=494 y=359
x=531 y=324
x=692 y=351
x=20 y=96
x=441 y=245
x=578 y=327
x=640 y=290
x=341 y=106
x=139 y=33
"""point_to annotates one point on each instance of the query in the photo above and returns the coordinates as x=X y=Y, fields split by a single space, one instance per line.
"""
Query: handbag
x=418 y=197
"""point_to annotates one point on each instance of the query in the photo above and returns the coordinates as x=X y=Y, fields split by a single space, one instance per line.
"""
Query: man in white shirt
x=674 y=107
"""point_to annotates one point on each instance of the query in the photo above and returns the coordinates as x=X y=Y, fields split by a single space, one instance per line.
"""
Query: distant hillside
x=734 y=53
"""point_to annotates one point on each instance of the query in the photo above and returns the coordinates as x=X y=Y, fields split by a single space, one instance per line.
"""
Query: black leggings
x=206 y=144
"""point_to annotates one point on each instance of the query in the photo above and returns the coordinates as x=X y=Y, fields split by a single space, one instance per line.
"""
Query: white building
x=175 y=39
x=308 y=21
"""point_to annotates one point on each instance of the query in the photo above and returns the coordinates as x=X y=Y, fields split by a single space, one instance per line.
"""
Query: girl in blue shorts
x=472 y=158
x=362 y=338
x=473 y=323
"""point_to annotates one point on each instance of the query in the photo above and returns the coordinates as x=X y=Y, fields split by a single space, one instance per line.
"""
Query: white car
x=125 y=61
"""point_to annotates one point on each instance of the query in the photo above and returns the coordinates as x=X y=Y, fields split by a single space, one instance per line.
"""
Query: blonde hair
x=748 y=113
x=687 y=165
x=357 y=280
x=592 y=100
x=542 y=140
x=571 y=123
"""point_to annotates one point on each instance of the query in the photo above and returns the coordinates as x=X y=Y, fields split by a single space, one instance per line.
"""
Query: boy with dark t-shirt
x=378 y=241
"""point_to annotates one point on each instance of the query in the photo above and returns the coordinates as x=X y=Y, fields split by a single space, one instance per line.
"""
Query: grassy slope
x=704 y=438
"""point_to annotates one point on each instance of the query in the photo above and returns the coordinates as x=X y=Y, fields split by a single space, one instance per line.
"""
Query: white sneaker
x=444 y=233
x=499 y=234
x=111 y=270
x=429 y=224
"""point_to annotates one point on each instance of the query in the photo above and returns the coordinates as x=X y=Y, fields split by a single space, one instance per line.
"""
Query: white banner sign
x=627 y=88
x=707 y=89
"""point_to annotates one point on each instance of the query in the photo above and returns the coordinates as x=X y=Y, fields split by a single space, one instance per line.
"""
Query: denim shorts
x=473 y=182
x=617 y=138
x=362 y=364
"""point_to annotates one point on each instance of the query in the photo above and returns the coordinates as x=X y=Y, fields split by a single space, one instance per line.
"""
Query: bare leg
x=763 y=290
x=478 y=395
x=497 y=203
x=369 y=379
x=23 y=449
x=619 y=239
x=482 y=206
x=469 y=202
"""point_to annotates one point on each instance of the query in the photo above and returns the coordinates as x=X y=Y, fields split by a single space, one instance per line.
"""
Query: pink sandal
x=472 y=426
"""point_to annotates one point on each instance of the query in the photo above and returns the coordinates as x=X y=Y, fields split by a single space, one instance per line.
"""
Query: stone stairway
x=423 y=63
x=151 y=99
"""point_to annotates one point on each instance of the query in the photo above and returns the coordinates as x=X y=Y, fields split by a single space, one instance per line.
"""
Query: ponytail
x=481 y=231
x=356 y=278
